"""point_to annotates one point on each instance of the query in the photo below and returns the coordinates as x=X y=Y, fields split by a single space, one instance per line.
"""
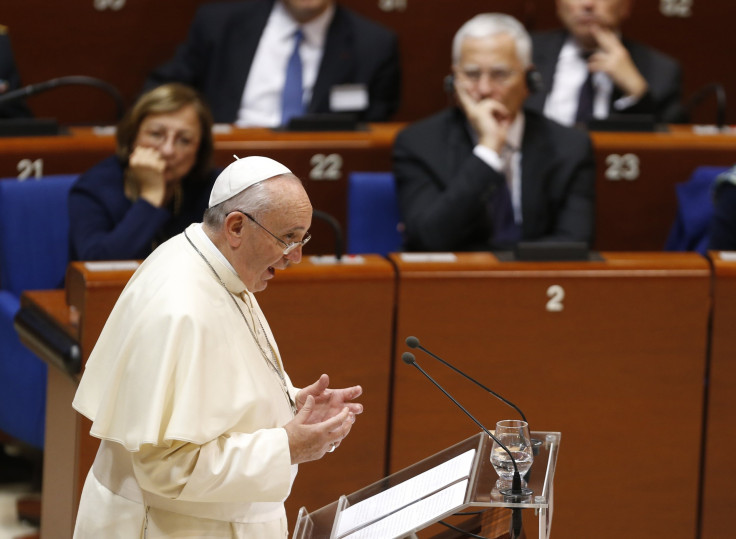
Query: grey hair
x=255 y=200
x=492 y=24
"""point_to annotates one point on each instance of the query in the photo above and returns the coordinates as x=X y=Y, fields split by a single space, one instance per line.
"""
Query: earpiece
x=534 y=82
x=448 y=83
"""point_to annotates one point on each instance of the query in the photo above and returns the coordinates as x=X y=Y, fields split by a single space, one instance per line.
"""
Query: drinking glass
x=514 y=434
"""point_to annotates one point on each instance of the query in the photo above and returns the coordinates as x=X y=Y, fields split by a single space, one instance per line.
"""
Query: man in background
x=487 y=174
x=263 y=62
x=590 y=71
x=9 y=80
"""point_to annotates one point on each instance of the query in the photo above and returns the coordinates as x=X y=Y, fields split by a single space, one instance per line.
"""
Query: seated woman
x=157 y=184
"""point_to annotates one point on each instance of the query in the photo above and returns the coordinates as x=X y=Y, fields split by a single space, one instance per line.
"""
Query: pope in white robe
x=201 y=429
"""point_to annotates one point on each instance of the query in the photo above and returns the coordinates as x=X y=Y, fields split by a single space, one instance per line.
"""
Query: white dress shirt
x=261 y=102
x=570 y=74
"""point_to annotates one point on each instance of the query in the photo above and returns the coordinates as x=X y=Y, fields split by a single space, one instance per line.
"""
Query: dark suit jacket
x=662 y=73
x=10 y=80
x=443 y=187
x=222 y=42
x=105 y=225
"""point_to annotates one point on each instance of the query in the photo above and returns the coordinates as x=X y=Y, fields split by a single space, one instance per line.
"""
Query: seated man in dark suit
x=590 y=71
x=487 y=174
x=9 y=80
x=242 y=57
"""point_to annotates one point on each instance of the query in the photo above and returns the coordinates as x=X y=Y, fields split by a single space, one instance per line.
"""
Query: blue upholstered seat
x=690 y=231
x=373 y=214
x=34 y=252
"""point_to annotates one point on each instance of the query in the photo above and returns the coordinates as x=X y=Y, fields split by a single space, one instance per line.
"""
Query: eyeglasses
x=288 y=247
x=498 y=75
x=158 y=136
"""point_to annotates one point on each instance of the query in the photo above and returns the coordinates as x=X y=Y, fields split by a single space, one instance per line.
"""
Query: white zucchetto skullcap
x=243 y=173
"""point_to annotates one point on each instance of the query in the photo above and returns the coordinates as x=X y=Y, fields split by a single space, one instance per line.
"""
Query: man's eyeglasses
x=497 y=75
x=288 y=247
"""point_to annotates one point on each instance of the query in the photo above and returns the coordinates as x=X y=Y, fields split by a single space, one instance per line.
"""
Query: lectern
x=452 y=480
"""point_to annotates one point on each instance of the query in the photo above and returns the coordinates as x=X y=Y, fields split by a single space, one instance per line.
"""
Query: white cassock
x=188 y=409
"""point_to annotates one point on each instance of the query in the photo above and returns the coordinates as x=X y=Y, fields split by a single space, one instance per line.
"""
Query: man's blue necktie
x=291 y=98
x=505 y=230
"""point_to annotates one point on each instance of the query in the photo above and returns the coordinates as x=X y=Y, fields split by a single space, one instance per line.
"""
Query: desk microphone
x=516 y=490
x=77 y=80
x=720 y=94
x=336 y=230
x=413 y=342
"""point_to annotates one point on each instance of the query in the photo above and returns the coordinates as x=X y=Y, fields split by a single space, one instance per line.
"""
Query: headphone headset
x=534 y=81
x=532 y=77
x=448 y=84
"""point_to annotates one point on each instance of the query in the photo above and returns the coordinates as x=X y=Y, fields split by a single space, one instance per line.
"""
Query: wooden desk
x=322 y=160
x=635 y=182
x=611 y=354
x=60 y=469
x=720 y=468
x=637 y=172
x=326 y=317
x=315 y=156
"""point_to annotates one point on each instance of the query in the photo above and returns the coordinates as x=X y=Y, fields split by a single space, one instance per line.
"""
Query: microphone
x=409 y=359
x=413 y=342
x=701 y=94
x=33 y=89
x=336 y=229
x=516 y=490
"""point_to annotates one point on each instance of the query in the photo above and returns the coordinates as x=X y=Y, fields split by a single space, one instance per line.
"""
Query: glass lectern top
x=448 y=482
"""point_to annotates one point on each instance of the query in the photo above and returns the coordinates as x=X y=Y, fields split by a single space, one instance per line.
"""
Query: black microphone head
x=412 y=342
x=408 y=358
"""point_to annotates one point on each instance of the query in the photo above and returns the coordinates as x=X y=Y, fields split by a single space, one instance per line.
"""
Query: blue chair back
x=34 y=247
x=373 y=214
x=690 y=231
x=34 y=232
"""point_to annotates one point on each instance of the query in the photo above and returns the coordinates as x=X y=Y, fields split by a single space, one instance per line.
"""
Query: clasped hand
x=147 y=166
x=613 y=59
x=489 y=118
x=325 y=416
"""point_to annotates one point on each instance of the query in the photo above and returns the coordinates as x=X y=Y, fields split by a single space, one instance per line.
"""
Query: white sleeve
x=236 y=467
x=489 y=157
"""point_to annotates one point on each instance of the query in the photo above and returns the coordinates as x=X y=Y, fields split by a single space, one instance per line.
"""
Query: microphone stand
x=517 y=492
x=413 y=342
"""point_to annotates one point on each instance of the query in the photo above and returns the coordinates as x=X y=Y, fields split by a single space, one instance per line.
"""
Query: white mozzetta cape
x=176 y=366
